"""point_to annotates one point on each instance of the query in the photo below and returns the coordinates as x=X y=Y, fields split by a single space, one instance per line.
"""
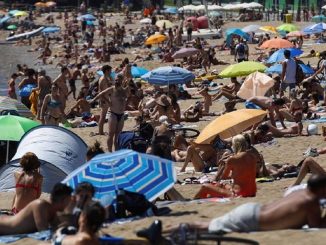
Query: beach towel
x=244 y=218
x=33 y=98
x=251 y=105
x=41 y=236
x=318 y=120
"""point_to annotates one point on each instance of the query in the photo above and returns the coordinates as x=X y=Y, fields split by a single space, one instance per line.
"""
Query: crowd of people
x=118 y=95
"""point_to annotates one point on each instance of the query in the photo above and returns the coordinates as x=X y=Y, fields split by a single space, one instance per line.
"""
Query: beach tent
x=256 y=84
x=59 y=150
x=235 y=31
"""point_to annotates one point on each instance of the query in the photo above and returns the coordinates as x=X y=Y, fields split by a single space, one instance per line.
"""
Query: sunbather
x=38 y=215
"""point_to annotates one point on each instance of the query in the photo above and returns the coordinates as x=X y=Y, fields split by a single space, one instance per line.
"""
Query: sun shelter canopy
x=256 y=84
x=59 y=150
x=235 y=32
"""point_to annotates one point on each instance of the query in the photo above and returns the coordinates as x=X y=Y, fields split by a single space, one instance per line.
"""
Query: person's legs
x=117 y=132
x=209 y=191
x=309 y=166
x=225 y=94
x=101 y=122
x=112 y=123
x=193 y=156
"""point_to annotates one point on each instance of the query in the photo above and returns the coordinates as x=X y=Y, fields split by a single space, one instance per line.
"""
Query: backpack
x=299 y=75
x=241 y=49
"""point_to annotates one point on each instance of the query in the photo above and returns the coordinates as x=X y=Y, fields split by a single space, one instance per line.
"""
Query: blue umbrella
x=13 y=12
x=171 y=10
x=87 y=17
x=4 y=19
x=89 y=23
x=100 y=73
x=235 y=31
x=168 y=75
x=278 y=55
x=125 y=169
x=315 y=28
x=277 y=68
x=136 y=72
x=51 y=29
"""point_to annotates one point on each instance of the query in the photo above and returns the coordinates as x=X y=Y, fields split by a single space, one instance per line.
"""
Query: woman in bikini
x=11 y=86
x=51 y=109
x=28 y=182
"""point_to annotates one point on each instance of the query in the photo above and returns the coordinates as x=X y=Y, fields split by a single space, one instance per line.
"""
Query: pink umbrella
x=295 y=34
x=185 y=52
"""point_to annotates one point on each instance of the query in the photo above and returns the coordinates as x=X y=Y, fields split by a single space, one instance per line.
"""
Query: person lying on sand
x=39 y=214
x=291 y=212
x=240 y=169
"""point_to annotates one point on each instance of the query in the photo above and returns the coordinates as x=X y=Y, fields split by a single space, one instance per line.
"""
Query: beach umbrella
x=14 y=11
x=89 y=23
x=287 y=28
x=251 y=28
x=315 y=28
x=20 y=13
x=214 y=7
x=40 y=5
x=168 y=75
x=277 y=43
x=295 y=34
x=318 y=18
x=242 y=69
x=125 y=169
x=9 y=104
x=11 y=27
x=50 y=4
x=235 y=32
x=13 y=128
x=137 y=71
x=214 y=14
x=145 y=21
x=278 y=55
x=277 y=68
x=4 y=20
x=271 y=29
x=171 y=10
x=160 y=23
x=156 y=39
x=51 y=29
x=185 y=52
x=230 y=124
x=87 y=17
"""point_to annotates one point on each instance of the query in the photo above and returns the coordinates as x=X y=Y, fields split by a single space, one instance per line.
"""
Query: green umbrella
x=242 y=69
x=287 y=28
x=12 y=27
x=13 y=128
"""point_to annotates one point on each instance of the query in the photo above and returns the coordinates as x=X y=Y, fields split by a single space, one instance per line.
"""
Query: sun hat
x=163 y=100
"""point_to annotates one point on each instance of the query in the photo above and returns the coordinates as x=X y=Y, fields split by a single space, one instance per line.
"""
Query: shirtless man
x=271 y=105
x=44 y=87
x=116 y=99
x=60 y=81
x=72 y=82
x=81 y=106
x=38 y=215
x=229 y=91
x=104 y=83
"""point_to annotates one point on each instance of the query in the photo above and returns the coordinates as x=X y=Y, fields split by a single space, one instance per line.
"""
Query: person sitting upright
x=28 y=182
x=38 y=215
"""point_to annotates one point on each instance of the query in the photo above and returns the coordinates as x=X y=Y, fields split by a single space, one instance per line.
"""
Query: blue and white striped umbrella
x=168 y=75
x=125 y=169
x=278 y=55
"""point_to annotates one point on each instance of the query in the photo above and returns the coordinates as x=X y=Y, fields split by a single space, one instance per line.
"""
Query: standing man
x=60 y=82
x=116 y=97
x=104 y=83
x=289 y=67
x=240 y=52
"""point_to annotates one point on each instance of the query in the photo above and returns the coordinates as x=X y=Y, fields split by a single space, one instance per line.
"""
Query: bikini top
x=37 y=188
x=54 y=103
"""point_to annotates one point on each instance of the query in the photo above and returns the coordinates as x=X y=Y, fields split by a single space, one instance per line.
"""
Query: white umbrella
x=324 y=7
x=145 y=21
x=200 y=8
x=214 y=7
x=251 y=28
x=254 y=5
x=187 y=8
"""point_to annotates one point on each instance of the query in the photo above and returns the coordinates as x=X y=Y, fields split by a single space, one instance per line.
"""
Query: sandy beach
x=285 y=150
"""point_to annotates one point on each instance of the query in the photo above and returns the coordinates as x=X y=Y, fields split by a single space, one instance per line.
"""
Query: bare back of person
x=291 y=212
x=34 y=217
x=262 y=101
x=80 y=238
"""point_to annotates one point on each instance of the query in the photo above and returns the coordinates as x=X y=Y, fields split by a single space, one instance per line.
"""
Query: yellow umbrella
x=155 y=39
x=40 y=5
x=271 y=29
x=20 y=13
x=230 y=124
x=161 y=23
x=50 y=4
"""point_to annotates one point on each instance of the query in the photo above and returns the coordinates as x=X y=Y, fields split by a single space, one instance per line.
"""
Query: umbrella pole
x=7 y=153
x=114 y=177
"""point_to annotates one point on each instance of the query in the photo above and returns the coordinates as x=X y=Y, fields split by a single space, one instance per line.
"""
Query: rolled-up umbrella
x=277 y=43
x=156 y=39
x=242 y=69
x=185 y=52
x=278 y=55
x=125 y=169
x=168 y=75
x=230 y=124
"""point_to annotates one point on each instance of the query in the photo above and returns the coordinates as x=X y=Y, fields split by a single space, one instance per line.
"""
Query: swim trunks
x=244 y=218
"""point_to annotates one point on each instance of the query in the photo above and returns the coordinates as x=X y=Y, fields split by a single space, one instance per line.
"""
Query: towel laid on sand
x=41 y=236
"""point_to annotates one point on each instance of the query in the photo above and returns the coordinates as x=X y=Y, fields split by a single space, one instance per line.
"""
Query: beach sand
x=286 y=150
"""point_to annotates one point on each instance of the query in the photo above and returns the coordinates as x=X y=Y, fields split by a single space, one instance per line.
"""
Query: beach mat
x=41 y=236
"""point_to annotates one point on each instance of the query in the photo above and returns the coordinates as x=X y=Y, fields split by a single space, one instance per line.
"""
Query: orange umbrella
x=295 y=34
x=230 y=124
x=155 y=39
x=277 y=43
x=40 y=5
x=50 y=4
